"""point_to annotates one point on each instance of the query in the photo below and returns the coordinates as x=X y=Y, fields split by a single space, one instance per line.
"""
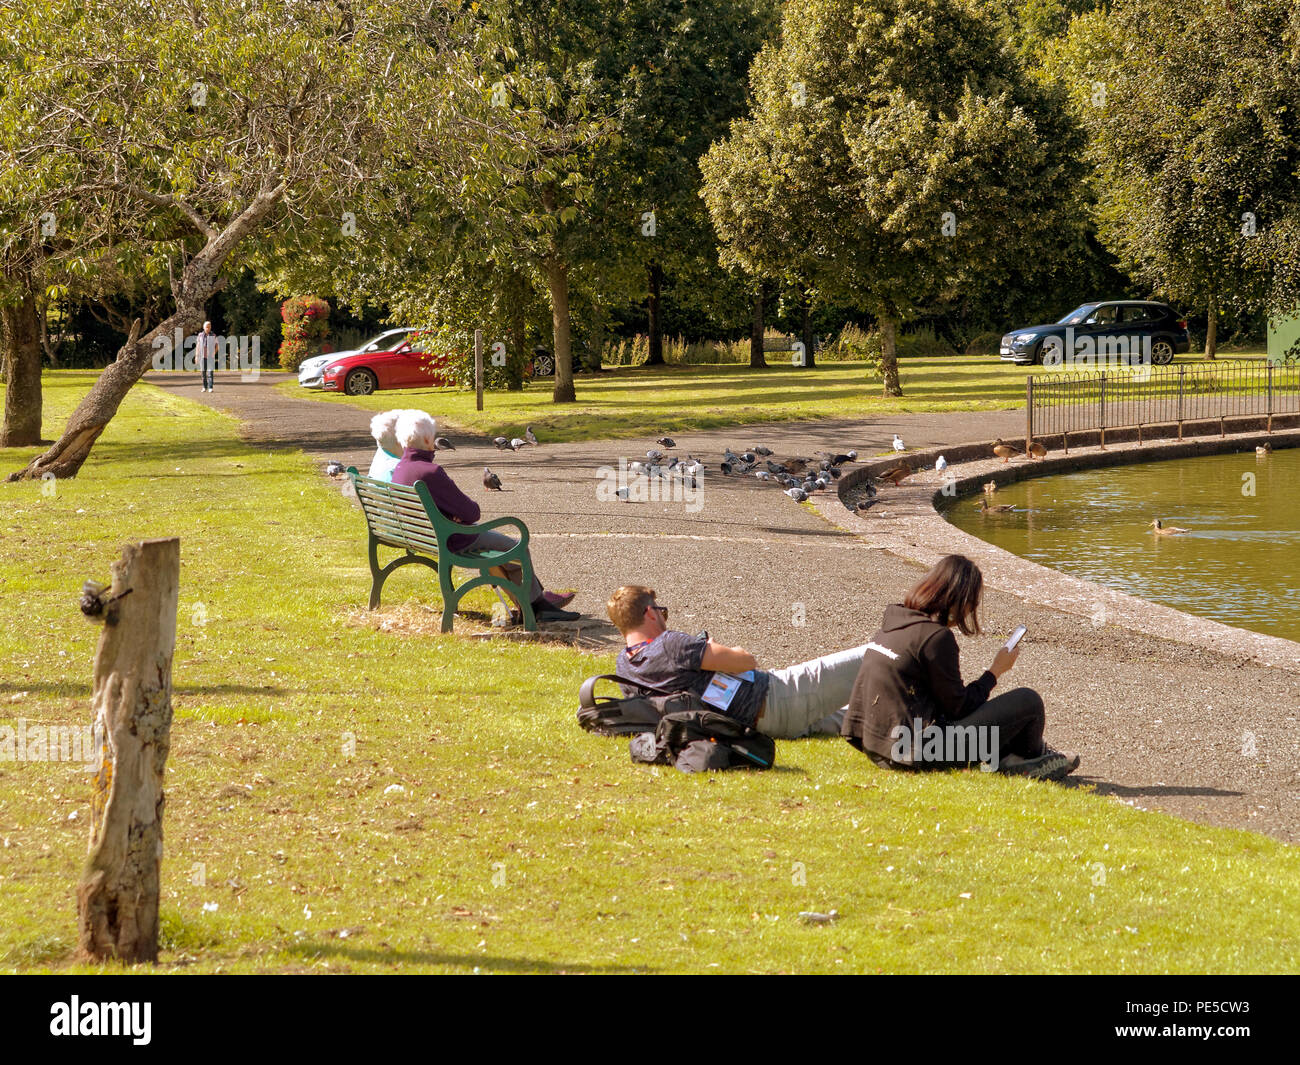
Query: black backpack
x=676 y=728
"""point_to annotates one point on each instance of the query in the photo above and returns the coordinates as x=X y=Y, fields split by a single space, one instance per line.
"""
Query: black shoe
x=551 y=613
x=1070 y=762
x=1050 y=765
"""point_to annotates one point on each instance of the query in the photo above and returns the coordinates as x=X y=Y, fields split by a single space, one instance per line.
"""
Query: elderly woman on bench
x=417 y=434
x=388 y=452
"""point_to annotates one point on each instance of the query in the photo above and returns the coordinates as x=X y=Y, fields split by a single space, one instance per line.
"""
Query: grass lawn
x=631 y=401
x=474 y=826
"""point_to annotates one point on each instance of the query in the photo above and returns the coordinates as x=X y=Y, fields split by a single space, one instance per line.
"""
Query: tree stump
x=117 y=896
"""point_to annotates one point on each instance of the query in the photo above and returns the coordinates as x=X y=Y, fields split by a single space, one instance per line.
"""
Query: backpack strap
x=587 y=694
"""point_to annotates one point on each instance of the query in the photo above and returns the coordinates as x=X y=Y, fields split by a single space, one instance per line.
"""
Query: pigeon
x=443 y=444
x=797 y=494
x=529 y=436
x=941 y=464
x=621 y=493
x=725 y=467
x=334 y=468
x=517 y=443
x=491 y=480
x=636 y=468
x=835 y=472
x=758 y=449
x=501 y=442
x=870 y=490
x=898 y=443
x=773 y=467
x=666 y=441
x=655 y=455
x=866 y=504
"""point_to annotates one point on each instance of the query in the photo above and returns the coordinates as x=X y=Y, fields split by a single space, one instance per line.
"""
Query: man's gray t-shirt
x=671 y=663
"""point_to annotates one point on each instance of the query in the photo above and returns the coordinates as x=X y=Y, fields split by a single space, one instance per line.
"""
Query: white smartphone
x=1020 y=630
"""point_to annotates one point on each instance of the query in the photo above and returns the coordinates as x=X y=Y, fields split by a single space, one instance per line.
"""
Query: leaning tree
x=224 y=119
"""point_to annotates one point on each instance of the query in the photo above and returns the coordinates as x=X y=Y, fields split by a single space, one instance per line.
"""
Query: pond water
x=1238 y=562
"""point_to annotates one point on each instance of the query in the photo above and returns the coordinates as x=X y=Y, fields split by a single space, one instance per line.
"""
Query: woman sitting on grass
x=909 y=708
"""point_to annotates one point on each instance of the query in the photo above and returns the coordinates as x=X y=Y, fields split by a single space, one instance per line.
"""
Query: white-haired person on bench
x=388 y=452
x=417 y=433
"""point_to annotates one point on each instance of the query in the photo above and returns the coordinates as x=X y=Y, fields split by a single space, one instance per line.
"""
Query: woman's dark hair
x=950 y=593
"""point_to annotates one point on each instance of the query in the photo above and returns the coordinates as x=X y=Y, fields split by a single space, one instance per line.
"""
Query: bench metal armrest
x=496 y=523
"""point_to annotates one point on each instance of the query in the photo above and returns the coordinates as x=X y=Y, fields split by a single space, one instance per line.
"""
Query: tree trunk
x=557 y=282
x=22 y=356
x=200 y=279
x=1212 y=328
x=117 y=896
x=518 y=357
x=889 y=354
x=656 y=280
x=806 y=333
x=757 y=358
x=51 y=350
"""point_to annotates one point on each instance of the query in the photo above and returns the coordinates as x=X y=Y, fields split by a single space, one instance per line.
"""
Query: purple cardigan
x=416 y=465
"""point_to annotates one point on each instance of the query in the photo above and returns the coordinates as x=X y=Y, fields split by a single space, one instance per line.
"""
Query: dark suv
x=1115 y=327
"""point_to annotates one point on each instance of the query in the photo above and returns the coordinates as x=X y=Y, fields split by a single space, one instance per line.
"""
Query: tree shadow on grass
x=82 y=689
x=475 y=961
x=1126 y=791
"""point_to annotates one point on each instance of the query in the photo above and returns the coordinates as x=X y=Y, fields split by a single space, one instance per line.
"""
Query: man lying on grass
x=785 y=703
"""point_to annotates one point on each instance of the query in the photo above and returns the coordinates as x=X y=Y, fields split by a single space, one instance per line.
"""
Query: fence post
x=1029 y=413
x=1101 y=414
x=1182 y=373
x=1268 y=425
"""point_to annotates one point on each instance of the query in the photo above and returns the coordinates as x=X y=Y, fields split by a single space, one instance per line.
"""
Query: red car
x=403 y=367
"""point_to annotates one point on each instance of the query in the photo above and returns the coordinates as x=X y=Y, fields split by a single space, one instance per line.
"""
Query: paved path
x=1158 y=724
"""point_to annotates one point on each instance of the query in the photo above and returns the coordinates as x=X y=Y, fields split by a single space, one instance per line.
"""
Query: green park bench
x=406 y=518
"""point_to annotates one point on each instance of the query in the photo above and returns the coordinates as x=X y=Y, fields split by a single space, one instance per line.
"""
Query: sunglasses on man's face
x=662 y=610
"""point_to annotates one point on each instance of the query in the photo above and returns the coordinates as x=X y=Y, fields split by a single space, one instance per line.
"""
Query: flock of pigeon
x=799 y=478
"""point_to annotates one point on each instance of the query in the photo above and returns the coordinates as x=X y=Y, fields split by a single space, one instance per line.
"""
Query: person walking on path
x=206 y=352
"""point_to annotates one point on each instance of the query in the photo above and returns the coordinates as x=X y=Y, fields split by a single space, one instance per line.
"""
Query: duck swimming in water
x=1161 y=530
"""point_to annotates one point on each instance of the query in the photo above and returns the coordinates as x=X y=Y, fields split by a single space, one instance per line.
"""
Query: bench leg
x=450 y=597
x=376 y=575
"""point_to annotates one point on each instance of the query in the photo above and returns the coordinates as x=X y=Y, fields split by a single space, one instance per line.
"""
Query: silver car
x=311 y=371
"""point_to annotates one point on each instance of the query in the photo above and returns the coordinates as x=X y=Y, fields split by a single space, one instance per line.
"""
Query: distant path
x=1158 y=724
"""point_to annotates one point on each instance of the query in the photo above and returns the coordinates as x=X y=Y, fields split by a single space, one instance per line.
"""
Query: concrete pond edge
x=906 y=521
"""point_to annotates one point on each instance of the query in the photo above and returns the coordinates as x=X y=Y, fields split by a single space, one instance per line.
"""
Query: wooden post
x=478 y=369
x=117 y=896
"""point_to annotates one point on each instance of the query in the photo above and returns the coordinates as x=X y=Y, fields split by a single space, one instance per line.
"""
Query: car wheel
x=360 y=383
x=543 y=366
x=1162 y=353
